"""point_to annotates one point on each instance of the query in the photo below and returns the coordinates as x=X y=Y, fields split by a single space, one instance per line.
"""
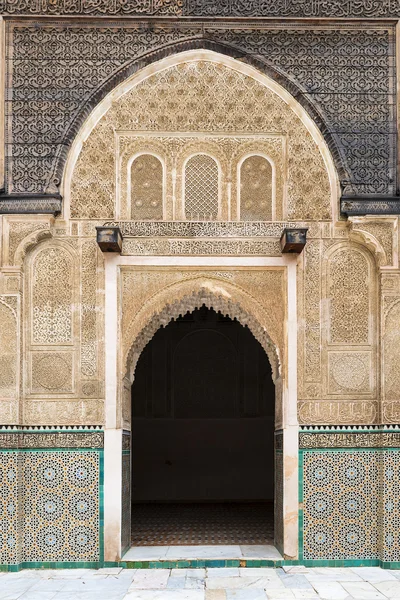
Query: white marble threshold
x=203 y=552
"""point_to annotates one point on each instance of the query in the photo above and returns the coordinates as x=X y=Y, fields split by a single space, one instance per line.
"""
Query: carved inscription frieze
x=227 y=247
x=66 y=439
x=349 y=440
x=326 y=412
x=206 y=8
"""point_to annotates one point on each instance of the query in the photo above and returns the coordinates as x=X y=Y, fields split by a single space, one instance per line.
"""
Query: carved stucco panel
x=350 y=373
x=147 y=293
x=327 y=412
x=52 y=284
x=391 y=354
x=52 y=373
x=63 y=412
x=349 y=278
x=192 y=97
x=380 y=235
x=8 y=347
x=88 y=308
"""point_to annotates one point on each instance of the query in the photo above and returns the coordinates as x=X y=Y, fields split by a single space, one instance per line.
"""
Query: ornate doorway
x=203 y=403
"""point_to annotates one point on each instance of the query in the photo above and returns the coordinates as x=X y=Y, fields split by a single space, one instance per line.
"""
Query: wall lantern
x=293 y=240
x=109 y=239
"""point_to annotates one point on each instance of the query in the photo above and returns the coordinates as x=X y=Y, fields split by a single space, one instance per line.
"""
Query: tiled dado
x=51 y=497
x=349 y=495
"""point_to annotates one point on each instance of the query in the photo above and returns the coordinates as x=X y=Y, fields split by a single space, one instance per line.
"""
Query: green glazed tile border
x=200 y=564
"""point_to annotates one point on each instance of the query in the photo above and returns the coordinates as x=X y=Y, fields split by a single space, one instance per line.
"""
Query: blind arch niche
x=256 y=188
x=146 y=179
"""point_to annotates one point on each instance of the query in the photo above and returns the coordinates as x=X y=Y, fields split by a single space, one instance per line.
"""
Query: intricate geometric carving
x=88 y=309
x=349 y=440
x=391 y=371
x=200 y=8
x=8 y=349
x=312 y=312
x=349 y=372
x=358 y=112
x=349 y=276
x=176 y=150
x=153 y=298
x=63 y=412
x=20 y=230
x=146 y=188
x=379 y=236
x=52 y=296
x=225 y=247
x=52 y=372
x=59 y=439
x=201 y=188
x=210 y=229
x=192 y=97
x=256 y=189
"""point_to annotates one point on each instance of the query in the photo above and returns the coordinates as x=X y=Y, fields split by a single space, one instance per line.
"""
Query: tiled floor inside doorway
x=203 y=524
x=204 y=530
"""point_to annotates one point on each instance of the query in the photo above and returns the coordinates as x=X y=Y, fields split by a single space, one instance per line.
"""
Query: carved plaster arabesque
x=199 y=108
x=52 y=373
x=357 y=114
x=199 y=8
x=390 y=352
x=162 y=295
x=380 y=235
x=324 y=412
x=174 y=150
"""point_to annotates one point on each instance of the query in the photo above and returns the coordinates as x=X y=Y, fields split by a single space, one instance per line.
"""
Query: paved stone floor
x=202 y=584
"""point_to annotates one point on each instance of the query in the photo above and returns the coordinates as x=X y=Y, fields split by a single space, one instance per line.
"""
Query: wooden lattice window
x=201 y=188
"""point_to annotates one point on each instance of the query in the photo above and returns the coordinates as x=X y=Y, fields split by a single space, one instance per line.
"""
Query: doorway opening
x=203 y=407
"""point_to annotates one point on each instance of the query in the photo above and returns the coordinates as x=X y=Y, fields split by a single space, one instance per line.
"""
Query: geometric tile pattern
x=49 y=506
x=9 y=508
x=341 y=504
x=60 y=511
x=391 y=505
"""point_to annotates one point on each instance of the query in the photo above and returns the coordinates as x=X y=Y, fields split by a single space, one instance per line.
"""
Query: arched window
x=201 y=188
x=256 y=189
x=146 y=188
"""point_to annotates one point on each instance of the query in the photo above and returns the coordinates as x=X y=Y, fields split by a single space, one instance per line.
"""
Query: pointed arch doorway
x=203 y=407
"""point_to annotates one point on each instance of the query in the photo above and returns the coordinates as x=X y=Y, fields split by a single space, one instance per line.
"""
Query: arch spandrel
x=202 y=93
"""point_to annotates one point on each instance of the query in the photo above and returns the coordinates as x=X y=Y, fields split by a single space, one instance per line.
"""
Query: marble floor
x=254 y=551
x=364 y=583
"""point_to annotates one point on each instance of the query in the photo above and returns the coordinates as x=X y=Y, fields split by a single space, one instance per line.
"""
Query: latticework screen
x=146 y=188
x=201 y=188
x=256 y=189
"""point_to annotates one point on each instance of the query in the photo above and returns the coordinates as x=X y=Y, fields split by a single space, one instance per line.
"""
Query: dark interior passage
x=203 y=425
